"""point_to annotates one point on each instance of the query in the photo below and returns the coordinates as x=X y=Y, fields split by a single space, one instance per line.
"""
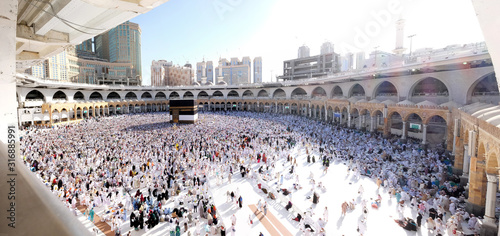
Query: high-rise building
x=303 y=51
x=201 y=70
x=360 y=60
x=85 y=46
x=84 y=67
x=210 y=71
x=121 y=44
x=326 y=47
x=179 y=75
x=235 y=72
x=347 y=62
x=257 y=70
x=400 y=26
x=158 y=69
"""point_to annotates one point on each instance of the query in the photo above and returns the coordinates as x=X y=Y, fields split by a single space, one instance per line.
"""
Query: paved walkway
x=269 y=221
x=102 y=226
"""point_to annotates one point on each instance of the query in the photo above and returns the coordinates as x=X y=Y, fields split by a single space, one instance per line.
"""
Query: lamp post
x=411 y=41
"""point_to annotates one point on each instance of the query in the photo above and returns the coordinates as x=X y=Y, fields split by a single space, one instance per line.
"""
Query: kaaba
x=183 y=111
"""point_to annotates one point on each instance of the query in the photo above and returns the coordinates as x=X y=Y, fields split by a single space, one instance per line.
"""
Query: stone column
x=466 y=161
x=489 y=226
x=372 y=124
x=424 y=139
x=455 y=135
x=50 y=117
x=348 y=119
x=491 y=192
x=360 y=118
x=326 y=114
x=404 y=130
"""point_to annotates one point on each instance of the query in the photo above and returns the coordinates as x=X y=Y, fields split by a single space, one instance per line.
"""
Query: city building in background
x=164 y=73
x=311 y=66
x=179 y=75
x=303 y=51
x=201 y=70
x=326 y=47
x=347 y=62
x=86 y=45
x=257 y=70
x=235 y=71
x=125 y=45
x=229 y=72
x=360 y=60
x=210 y=72
x=158 y=74
x=113 y=57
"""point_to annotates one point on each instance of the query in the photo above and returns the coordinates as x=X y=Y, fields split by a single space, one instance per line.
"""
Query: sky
x=192 y=30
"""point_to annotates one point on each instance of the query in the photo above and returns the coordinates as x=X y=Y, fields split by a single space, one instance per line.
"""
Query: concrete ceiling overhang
x=45 y=27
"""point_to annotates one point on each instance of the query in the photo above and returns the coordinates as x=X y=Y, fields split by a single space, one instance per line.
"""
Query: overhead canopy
x=45 y=27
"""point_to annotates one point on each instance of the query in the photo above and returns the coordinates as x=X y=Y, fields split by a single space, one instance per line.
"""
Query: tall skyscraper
x=201 y=70
x=347 y=62
x=400 y=26
x=303 y=51
x=235 y=72
x=121 y=44
x=257 y=70
x=326 y=47
x=85 y=46
x=360 y=60
x=210 y=71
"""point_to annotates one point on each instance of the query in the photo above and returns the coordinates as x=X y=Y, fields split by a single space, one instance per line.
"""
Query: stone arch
x=113 y=95
x=78 y=96
x=357 y=91
x=385 y=90
x=218 y=94
x=296 y=93
x=337 y=92
x=95 y=96
x=188 y=94
x=395 y=120
x=263 y=94
x=174 y=95
x=248 y=94
x=319 y=92
x=59 y=95
x=429 y=88
x=146 y=95
x=233 y=94
x=202 y=94
x=35 y=95
x=160 y=96
x=279 y=93
x=436 y=129
x=484 y=89
x=130 y=96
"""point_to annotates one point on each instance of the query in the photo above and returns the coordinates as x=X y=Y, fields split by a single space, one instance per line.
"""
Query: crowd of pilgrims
x=132 y=166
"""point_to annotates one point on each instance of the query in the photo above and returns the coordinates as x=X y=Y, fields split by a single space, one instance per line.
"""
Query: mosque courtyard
x=338 y=184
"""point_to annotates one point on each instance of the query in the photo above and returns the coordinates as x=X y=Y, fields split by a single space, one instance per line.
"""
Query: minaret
x=400 y=25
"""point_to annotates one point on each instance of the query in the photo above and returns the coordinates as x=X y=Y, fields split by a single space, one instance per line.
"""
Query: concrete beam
x=24 y=32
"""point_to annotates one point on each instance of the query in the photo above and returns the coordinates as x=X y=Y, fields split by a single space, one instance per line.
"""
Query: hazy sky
x=190 y=30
